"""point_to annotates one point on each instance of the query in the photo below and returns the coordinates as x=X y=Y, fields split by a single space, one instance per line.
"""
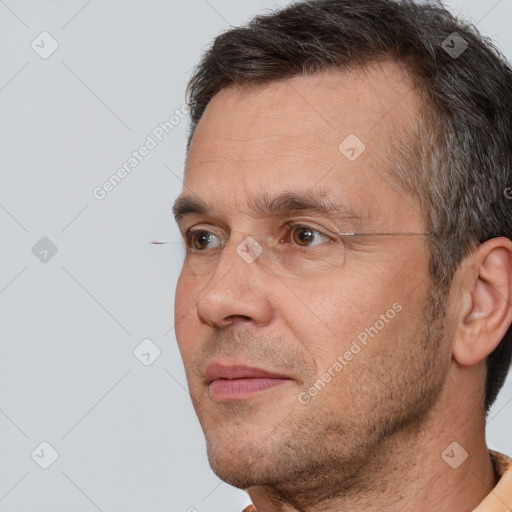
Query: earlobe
x=486 y=301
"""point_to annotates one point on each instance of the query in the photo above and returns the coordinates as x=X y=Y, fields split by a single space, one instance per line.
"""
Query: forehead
x=303 y=133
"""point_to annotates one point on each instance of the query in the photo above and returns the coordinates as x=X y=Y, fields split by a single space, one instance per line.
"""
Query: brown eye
x=304 y=236
x=201 y=240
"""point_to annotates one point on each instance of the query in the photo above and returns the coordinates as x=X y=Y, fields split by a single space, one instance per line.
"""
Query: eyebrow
x=314 y=202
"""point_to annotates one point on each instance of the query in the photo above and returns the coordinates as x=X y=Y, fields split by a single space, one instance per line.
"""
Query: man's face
x=351 y=353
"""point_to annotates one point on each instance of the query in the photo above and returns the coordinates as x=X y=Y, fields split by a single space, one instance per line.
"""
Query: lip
x=218 y=370
x=228 y=383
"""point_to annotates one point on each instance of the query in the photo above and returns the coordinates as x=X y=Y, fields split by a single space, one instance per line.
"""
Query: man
x=344 y=307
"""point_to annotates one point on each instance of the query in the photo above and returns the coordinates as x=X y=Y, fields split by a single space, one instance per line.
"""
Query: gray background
x=126 y=434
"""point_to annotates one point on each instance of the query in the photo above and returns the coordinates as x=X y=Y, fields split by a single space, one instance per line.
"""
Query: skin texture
x=373 y=437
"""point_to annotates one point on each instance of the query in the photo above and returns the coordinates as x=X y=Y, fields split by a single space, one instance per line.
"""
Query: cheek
x=187 y=294
x=365 y=308
x=325 y=318
x=185 y=321
x=183 y=297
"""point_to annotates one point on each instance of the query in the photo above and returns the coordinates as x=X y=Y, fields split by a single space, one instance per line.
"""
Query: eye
x=306 y=236
x=202 y=239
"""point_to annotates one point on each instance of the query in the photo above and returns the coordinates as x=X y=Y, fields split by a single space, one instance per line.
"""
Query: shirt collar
x=500 y=498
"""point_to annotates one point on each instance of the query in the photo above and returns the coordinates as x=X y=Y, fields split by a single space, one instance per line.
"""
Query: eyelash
x=189 y=234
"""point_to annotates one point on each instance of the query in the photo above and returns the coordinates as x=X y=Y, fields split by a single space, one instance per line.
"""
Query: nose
x=238 y=290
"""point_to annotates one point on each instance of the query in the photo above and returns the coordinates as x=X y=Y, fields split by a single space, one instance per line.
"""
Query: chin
x=240 y=466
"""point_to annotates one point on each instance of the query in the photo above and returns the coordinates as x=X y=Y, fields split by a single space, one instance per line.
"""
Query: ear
x=484 y=299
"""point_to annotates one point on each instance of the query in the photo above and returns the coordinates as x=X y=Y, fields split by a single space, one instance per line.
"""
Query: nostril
x=242 y=317
x=231 y=320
